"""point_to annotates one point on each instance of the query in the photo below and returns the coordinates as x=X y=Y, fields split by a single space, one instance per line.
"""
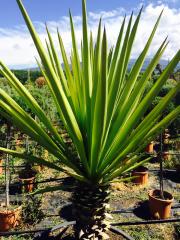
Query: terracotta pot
x=160 y=208
x=166 y=156
x=29 y=187
x=1 y=168
x=9 y=218
x=150 y=148
x=141 y=174
x=18 y=142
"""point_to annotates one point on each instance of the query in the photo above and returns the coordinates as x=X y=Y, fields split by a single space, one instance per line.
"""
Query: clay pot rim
x=8 y=211
x=145 y=170
x=27 y=179
x=150 y=194
x=166 y=152
x=27 y=174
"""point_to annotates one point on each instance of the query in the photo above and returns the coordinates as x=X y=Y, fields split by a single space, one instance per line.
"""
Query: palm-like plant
x=102 y=108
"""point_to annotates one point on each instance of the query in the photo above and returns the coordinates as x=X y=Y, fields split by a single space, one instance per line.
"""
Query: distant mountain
x=34 y=69
x=30 y=69
x=163 y=63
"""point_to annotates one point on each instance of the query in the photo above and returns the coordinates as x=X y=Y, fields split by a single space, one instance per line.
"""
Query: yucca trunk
x=90 y=203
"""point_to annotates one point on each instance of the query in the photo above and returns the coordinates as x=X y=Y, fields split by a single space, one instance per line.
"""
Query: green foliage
x=21 y=103
x=44 y=99
x=144 y=233
x=170 y=84
x=172 y=163
x=177 y=231
x=23 y=75
x=42 y=95
x=102 y=106
x=31 y=212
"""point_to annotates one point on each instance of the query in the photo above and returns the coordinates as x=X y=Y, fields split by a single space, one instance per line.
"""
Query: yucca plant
x=101 y=104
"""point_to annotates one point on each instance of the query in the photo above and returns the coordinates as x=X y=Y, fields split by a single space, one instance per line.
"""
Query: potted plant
x=102 y=109
x=166 y=156
x=141 y=175
x=160 y=205
x=27 y=178
x=160 y=201
x=150 y=147
x=10 y=215
x=27 y=175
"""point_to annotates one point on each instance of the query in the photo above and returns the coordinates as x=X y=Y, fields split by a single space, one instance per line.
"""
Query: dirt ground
x=130 y=198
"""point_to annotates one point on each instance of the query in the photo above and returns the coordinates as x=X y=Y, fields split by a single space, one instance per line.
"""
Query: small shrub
x=32 y=213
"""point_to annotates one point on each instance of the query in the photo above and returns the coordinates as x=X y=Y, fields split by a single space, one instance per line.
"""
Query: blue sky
x=48 y=10
x=15 y=40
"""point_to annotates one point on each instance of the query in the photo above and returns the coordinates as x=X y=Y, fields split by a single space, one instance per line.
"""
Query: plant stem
x=161 y=168
x=27 y=144
x=7 y=170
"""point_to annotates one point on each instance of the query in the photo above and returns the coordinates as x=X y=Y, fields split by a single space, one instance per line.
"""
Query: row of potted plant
x=160 y=201
x=10 y=213
x=160 y=208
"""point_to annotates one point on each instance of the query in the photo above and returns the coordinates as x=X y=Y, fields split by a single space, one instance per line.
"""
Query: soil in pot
x=9 y=218
x=160 y=208
x=27 y=178
x=141 y=175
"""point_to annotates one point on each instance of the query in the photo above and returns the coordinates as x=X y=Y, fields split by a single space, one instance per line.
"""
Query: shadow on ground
x=142 y=210
x=173 y=176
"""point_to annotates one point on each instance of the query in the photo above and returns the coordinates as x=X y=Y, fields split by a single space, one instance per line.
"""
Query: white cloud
x=173 y=1
x=16 y=46
x=167 y=1
x=106 y=15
